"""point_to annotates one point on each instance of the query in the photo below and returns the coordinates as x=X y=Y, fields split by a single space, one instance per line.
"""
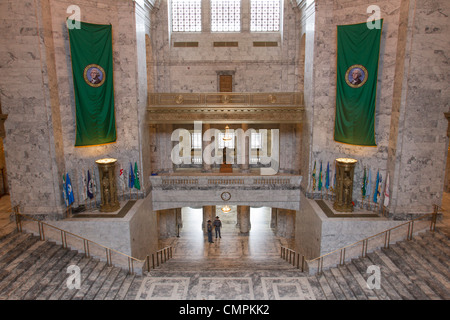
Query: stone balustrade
x=172 y=191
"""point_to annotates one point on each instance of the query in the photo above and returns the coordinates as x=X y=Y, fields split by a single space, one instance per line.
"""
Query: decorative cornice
x=274 y=107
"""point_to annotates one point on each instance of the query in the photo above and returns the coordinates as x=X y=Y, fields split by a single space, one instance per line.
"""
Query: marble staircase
x=410 y=270
x=31 y=269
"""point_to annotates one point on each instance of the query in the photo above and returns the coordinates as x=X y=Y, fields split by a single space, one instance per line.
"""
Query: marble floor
x=234 y=267
x=192 y=245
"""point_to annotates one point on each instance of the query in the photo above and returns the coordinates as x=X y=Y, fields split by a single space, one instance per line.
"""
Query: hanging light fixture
x=226 y=208
x=227 y=136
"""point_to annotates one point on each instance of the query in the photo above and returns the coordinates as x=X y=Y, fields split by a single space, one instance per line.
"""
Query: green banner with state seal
x=92 y=68
x=358 y=51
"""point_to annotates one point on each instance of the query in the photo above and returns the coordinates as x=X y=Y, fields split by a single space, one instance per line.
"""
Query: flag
x=379 y=186
x=83 y=186
x=64 y=191
x=358 y=51
x=131 y=178
x=377 y=182
x=122 y=178
x=92 y=70
x=69 y=192
x=334 y=177
x=137 y=185
x=377 y=191
x=314 y=177
x=363 y=188
x=369 y=184
x=320 y=177
x=94 y=183
x=327 y=177
x=90 y=186
x=386 y=192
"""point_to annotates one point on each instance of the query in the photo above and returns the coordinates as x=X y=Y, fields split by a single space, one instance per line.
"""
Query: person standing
x=217 y=226
x=209 y=228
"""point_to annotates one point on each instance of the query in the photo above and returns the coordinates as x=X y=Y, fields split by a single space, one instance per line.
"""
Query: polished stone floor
x=192 y=244
x=234 y=267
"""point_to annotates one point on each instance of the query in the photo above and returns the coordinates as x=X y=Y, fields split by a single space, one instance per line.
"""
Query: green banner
x=92 y=68
x=358 y=51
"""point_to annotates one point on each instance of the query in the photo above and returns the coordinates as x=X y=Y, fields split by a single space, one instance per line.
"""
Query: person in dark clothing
x=209 y=228
x=217 y=225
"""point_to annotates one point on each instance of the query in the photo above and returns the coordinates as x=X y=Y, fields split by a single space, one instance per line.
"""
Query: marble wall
x=35 y=54
x=410 y=126
x=418 y=156
x=255 y=69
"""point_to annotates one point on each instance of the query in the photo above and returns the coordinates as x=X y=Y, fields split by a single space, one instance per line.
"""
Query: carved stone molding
x=274 y=107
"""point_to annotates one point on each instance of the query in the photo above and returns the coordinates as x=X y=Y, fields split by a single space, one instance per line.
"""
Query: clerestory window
x=225 y=15
x=265 y=15
x=186 y=15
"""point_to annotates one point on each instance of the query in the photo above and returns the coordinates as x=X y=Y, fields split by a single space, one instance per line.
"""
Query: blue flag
x=327 y=177
x=377 y=183
x=69 y=191
x=131 y=177
x=65 y=191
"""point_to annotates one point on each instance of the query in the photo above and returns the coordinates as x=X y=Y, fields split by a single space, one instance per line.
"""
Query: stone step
x=18 y=288
x=429 y=263
x=8 y=276
x=410 y=270
x=386 y=292
x=31 y=269
x=398 y=281
x=438 y=246
x=13 y=252
x=178 y=264
x=422 y=271
x=413 y=274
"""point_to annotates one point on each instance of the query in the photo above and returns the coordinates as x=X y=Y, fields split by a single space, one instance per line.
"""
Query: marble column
x=179 y=217
x=285 y=223
x=167 y=223
x=273 y=218
x=244 y=219
x=206 y=166
x=245 y=166
x=238 y=218
x=208 y=214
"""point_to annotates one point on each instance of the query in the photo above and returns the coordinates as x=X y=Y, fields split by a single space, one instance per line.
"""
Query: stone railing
x=179 y=191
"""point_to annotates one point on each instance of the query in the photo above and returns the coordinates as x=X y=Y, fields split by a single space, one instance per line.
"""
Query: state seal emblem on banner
x=356 y=76
x=94 y=75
